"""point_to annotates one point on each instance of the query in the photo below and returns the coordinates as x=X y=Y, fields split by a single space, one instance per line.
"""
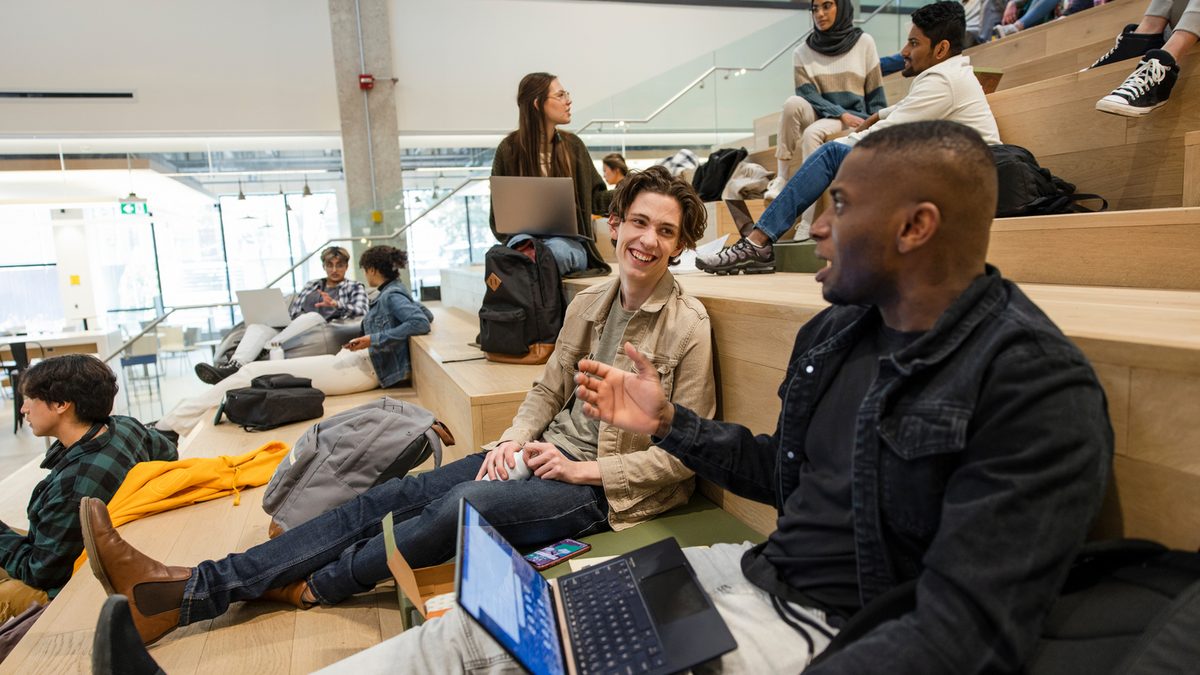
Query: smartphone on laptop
x=545 y=558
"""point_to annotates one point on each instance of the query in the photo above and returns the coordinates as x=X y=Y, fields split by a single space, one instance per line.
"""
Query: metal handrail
x=377 y=237
x=713 y=69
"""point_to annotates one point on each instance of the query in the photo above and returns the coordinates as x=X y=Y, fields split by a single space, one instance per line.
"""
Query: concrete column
x=361 y=31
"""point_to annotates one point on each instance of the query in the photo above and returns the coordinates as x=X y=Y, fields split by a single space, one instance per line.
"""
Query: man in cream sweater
x=945 y=88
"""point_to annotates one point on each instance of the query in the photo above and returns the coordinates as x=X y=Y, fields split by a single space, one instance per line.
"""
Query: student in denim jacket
x=377 y=359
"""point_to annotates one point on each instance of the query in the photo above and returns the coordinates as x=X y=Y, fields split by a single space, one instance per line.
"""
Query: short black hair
x=658 y=179
x=953 y=154
x=943 y=21
x=387 y=260
x=73 y=378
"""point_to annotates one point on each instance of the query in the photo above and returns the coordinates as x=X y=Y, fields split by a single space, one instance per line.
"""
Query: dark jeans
x=803 y=189
x=341 y=552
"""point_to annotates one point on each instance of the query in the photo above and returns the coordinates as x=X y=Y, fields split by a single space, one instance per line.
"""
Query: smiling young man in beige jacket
x=585 y=477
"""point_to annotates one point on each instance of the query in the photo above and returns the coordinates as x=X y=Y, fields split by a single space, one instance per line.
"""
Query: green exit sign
x=134 y=208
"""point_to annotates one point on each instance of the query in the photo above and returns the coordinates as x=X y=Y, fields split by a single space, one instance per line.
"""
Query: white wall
x=459 y=61
x=266 y=66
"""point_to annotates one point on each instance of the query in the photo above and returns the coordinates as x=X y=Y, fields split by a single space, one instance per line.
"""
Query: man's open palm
x=632 y=402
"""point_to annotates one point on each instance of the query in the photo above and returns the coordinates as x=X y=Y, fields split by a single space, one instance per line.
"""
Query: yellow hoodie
x=154 y=487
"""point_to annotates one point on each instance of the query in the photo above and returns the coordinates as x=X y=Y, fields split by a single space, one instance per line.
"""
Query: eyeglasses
x=823 y=7
x=562 y=95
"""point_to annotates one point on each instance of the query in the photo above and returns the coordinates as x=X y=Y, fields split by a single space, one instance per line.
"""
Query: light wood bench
x=1049 y=50
x=1133 y=163
x=251 y=637
x=476 y=398
x=1144 y=345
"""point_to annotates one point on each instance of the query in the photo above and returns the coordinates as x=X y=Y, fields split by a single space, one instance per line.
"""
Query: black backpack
x=1128 y=607
x=1026 y=189
x=272 y=401
x=523 y=306
x=710 y=178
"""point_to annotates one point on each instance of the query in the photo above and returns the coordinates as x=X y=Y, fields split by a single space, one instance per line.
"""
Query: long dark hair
x=530 y=136
x=386 y=260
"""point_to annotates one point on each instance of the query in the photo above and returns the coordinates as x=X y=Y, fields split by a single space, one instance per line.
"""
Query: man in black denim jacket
x=982 y=445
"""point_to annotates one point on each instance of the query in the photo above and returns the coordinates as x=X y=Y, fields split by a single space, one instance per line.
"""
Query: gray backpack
x=347 y=454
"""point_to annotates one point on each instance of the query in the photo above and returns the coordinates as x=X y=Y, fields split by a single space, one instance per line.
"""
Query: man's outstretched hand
x=632 y=402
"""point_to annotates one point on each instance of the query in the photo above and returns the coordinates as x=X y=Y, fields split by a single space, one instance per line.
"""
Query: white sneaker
x=774 y=188
x=803 y=231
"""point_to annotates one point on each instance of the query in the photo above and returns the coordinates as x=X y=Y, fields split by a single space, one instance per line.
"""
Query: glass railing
x=715 y=98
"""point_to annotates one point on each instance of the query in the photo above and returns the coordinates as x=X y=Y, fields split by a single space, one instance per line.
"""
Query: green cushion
x=797 y=256
x=697 y=523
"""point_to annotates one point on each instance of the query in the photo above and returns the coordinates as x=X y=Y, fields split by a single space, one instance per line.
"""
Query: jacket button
x=808 y=369
x=791 y=455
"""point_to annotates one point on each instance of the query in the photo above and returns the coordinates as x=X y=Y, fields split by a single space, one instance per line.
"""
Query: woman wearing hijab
x=838 y=85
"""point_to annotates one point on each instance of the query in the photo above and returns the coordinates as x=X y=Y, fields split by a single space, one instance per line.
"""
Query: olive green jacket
x=592 y=196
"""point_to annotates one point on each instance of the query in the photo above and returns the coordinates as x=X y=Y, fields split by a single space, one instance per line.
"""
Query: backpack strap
x=1085 y=196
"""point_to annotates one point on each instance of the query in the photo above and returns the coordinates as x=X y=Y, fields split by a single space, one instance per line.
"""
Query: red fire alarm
x=366 y=81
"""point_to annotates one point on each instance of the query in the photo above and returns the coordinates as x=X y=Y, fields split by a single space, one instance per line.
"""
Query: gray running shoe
x=741 y=257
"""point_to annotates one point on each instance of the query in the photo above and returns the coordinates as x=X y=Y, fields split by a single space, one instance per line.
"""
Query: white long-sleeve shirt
x=947 y=91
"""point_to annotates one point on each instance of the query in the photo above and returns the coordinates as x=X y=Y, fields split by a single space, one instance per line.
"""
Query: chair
x=171 y=343
x=13 y=370
x=143 y=352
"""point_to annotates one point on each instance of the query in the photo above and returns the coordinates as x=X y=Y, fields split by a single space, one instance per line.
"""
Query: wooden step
x=1157 y=248
x=476 y=398
x=1045 y=51
x=1135 y=163
x=1144 y=345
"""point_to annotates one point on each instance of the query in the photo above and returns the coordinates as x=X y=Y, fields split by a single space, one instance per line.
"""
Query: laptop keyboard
x=609 y=625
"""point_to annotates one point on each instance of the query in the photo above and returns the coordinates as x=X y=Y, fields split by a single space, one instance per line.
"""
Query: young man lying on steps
x=70 y=399
x=945 y=88
x=588 y=476
x=936 y=427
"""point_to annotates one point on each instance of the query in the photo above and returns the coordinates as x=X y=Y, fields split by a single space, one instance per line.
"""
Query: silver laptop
x=524 y=205
x=642 y=612
x=265 y=306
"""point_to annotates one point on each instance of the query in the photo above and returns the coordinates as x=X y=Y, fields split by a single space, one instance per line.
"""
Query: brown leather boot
x=292 y=594
x=155 y=591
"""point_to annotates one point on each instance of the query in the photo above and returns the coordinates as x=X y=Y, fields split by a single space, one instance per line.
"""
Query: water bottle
x=276 y=351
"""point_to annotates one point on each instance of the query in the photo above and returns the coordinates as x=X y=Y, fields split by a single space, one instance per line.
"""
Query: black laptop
x=643 y=612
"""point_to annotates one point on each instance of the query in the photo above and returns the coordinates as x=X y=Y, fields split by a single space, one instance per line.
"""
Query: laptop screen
x=503 y=592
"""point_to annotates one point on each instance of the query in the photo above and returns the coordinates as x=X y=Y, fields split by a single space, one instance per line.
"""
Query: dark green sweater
x=592 y=196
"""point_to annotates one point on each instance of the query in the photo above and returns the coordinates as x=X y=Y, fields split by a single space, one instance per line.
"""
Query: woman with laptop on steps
x=378 y=358
x=539 y=148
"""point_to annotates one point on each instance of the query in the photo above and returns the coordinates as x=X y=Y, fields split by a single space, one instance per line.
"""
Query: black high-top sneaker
x=1130 y=45
x=1147 y=88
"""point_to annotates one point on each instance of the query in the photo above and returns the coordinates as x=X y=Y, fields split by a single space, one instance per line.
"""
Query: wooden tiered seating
x=474 y=397
x=1144 y=344
x=251 y=636
x=1134 y=163
x=1045 y=51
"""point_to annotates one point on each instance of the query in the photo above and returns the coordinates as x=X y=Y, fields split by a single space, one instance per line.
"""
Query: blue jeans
x=569 y=254
x=893 y=63
x=803 y=189
x=341 y=552
x=1038 y=12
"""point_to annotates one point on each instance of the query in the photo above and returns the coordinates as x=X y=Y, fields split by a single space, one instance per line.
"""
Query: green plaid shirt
x=92 y=468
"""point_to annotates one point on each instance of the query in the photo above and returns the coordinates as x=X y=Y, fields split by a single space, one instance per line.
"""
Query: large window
x=29 y=297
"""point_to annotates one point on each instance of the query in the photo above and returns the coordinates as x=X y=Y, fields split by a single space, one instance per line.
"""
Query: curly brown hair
x=658 y=180
x=387 y=260
x=81 y=379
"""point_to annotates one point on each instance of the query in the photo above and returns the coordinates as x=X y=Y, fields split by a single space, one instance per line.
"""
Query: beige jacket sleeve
x=642 y=481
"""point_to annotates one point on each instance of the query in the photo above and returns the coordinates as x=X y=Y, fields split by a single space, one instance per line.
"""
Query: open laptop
x=265 y=306
x=534 y=205
x=643 y=612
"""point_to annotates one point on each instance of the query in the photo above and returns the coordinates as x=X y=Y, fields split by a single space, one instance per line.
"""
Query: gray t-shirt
x=576 y=433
